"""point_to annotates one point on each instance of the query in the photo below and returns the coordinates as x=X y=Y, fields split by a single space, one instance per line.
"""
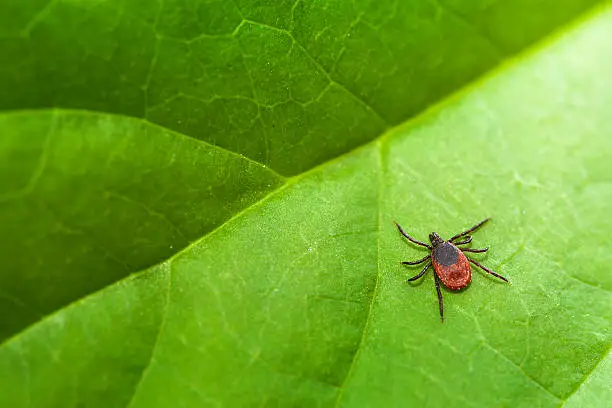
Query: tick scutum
x=445 y=254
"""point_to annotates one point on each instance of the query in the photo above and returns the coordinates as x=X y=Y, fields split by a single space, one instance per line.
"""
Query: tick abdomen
x=451 y=266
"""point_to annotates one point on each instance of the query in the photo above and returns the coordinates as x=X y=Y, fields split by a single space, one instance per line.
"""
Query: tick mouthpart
x=435 y=239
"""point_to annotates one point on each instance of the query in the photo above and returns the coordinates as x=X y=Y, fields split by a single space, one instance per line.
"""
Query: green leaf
x=287 y=83
x=263 y=290
x=86 y=199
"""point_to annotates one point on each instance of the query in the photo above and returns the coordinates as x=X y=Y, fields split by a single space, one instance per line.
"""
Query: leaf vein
x=149 y=210
x=442 y=7
x=586 y=377
x=40 y=166
x=518 y=367
x=328 y=75
x=368 y=320
x=162 y=326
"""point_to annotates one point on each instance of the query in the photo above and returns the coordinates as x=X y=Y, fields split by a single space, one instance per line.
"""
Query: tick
x=451 y=266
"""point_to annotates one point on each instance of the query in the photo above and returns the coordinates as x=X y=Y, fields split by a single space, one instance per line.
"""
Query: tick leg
x=416 y=262
x=420 y=274
x=474 y=250
x=465 y=241
x=440 y=299
x=412 y=239
x=487 y=270
x=474 y=228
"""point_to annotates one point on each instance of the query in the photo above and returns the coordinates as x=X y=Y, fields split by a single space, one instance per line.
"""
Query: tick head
x=435 y=239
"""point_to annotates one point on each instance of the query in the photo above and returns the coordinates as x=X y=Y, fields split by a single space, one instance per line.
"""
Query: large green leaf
x=299 y=298
x=289 y=83
x=87 y=199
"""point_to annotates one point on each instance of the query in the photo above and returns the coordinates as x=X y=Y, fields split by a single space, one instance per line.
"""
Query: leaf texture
x=250 y=258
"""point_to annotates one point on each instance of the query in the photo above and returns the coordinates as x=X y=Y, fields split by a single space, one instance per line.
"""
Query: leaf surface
x=87 y=199
x=288 y=292
x=287 y=83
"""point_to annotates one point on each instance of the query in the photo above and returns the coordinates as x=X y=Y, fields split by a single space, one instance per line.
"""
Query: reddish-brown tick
x=450 y=264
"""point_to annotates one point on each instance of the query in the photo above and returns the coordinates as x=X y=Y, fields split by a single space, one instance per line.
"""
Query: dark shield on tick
x=451 y=266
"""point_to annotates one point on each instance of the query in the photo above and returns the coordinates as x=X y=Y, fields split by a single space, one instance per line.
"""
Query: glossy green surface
x=287 y=83
x=248 y=288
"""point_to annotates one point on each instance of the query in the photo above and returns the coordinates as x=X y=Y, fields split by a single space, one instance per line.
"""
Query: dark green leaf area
x=86 y=199
x=287 y=83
